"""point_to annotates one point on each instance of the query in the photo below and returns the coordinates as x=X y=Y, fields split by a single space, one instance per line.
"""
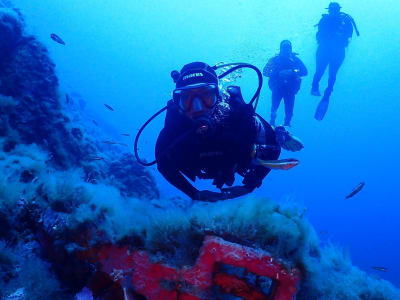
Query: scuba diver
x=284 y=71
x=211 y=135
x=334 y=31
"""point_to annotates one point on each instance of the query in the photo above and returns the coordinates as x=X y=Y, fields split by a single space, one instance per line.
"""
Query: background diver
x=334 y=31
x=284 y=71
x=210 y=135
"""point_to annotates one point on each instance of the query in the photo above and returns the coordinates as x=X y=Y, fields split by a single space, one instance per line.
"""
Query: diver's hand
x=208 y=196
x=293 y=144
x=286 y=140
x=252 y=181
x=234 y=192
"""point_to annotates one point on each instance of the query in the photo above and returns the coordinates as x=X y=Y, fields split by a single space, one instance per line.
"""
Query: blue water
x=121 y=53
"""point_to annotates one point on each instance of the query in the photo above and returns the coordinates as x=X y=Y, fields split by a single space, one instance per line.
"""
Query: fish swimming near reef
x=146 y=178
x=125 y=134
x=115 y=143
x=110 y=142
x=57 y=39
x=50 y=100
x=381 y=269
x=109 y=107
x=357 y=189
x=96 y=158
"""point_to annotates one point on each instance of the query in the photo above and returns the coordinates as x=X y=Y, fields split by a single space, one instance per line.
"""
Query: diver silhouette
x=284 y=71
x=334 y=32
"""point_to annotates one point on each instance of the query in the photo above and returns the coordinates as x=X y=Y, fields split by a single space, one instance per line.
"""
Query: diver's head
x=196 y=90
x=334 y=8
x=285 y=48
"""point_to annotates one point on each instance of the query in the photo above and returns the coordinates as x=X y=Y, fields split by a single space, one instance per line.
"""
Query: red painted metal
x=158 y=281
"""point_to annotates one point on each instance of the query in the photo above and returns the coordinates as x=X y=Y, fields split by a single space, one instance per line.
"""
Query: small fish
x=123 y=144
x=96 y=158
x=57 y=39
x=382 y=269
x=110 y=142
x=67 y=98
x=125 y=134
x=145 y=178
x=109 y=107
x=95 y=122
x=356 y=190
x=282 y=164
x=50 y=100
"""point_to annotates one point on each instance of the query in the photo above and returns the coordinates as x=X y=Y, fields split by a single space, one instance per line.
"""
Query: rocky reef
x=65 y=195
x=50 y=166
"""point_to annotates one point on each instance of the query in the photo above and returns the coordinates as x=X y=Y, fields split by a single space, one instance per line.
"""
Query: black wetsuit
x=180 y=150
x=285 y=87
x=334 y=32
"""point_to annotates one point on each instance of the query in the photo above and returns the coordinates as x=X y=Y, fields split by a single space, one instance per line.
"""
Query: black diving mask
x=196 y=99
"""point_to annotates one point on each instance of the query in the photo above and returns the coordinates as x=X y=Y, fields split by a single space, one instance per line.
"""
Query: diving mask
x=196 y=100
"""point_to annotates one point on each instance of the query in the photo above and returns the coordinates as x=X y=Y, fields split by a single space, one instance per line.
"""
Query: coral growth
x=48 y=174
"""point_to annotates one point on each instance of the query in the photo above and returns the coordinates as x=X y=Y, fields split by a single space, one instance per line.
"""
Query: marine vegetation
x=59 y=203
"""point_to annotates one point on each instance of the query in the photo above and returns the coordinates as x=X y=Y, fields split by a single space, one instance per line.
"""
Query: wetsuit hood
x=196 y=74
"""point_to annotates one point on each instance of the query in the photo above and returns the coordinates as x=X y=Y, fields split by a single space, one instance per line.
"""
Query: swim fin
x=323 y=105
x=321 y=109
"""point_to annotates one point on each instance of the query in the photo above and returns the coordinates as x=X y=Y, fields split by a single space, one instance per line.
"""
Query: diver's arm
x=255 y=177
x=353 y=23
x=348 y=26
x=322 y=29
x=167 y=166
x=301 y=67
x=269 y=68
x=175 y=177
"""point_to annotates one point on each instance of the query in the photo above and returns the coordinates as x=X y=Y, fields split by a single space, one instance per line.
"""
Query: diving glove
x=286 y=140
x=235 y=191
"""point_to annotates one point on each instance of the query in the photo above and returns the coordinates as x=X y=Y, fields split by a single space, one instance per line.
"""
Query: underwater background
x=122 y=52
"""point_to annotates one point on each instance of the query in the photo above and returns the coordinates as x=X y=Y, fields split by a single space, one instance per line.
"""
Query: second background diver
x=284 y=71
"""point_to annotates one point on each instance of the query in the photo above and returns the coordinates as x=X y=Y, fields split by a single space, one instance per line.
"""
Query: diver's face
x=334 y=11
x=197 y=102
x=286 y=50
